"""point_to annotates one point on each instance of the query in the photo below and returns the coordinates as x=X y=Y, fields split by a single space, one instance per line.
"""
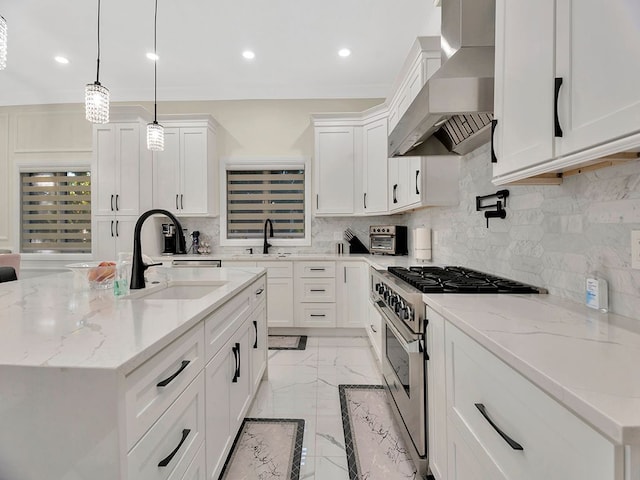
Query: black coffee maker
x=169 y=238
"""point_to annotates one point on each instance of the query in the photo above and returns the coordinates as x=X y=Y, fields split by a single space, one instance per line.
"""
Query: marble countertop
x=584 y=359
x=53 y=321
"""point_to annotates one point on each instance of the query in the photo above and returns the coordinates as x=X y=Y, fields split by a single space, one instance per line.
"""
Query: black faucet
x=265 y=247
x=138 y=267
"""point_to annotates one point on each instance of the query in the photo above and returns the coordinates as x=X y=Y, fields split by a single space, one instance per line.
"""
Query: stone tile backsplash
x=553 y=236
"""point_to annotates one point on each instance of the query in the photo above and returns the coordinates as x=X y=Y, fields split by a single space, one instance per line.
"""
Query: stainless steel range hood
x=454 y=109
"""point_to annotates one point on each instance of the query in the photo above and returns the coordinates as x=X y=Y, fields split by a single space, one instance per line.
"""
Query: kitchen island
x=93 y=386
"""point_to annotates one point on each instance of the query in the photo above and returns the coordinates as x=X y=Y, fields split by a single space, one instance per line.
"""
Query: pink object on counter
x=11 y=260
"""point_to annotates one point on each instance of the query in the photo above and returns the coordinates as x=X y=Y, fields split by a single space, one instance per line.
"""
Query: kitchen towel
x=422 y=243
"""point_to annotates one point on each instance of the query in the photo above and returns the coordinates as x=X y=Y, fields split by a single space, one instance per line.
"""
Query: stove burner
x=458 y=280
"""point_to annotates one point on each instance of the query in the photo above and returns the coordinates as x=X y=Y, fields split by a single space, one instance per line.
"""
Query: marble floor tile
x=331 y=468
x=341 y=356
x=329 y=436
x=307 y=357
x=343 y=341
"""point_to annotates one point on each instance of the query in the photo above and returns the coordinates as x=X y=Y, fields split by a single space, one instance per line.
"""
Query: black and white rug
x=374 y=446
x=266 y=449
x=287 y=342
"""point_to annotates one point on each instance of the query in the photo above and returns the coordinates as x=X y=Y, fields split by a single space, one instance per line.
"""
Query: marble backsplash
x=553 y=236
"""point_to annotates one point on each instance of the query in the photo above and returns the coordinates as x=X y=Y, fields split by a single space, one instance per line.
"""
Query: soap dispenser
x=596 y=292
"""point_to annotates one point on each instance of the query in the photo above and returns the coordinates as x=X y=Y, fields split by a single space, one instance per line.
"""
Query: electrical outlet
x=635 y=249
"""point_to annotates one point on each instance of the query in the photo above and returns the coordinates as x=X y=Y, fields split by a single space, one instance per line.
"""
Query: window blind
x=56 y=212
x=255 y=195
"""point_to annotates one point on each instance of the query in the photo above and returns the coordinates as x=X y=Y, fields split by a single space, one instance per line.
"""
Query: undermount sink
x=178 y=290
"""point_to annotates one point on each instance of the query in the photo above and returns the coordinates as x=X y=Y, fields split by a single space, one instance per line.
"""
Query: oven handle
x=409 y=346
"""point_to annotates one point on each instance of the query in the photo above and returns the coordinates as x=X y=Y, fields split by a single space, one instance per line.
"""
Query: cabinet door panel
x=218 y=375
x=128 y=169
x=413 y=179
x=166 y=172
x=352 y=295
x=280 y=302
x=193 y=149
x=259 y=347
x=240 y=390
x=597 y=53
x=375 y=166
x=104 y=238
x=524 y=86
x=124 y=234
x=334 y=168
x=104 y=152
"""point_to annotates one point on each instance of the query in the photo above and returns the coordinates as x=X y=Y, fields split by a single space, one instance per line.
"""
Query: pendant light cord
x=98 y=61
x=155 y=66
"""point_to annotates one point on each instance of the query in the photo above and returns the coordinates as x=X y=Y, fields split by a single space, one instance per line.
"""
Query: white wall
x=553 y=236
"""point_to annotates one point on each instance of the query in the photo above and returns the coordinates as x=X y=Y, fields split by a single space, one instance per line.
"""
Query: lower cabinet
x=259 y=345
x=502 y=422
x=437 y=404
x=352 y=295
x=374 y=326
x=315 y=294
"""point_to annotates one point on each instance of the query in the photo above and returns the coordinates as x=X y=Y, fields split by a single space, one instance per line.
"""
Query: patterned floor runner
x=375 y=449
x=266 y=449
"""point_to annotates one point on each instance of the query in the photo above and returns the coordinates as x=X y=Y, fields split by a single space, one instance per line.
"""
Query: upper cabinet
x=374 y=154
x=563 y=98
x=185 y=174
x=422 y=62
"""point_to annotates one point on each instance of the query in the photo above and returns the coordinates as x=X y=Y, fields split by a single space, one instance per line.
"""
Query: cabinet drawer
x=315 y=315
x=315 y=269
x=258 y=291
x=169 y=447
x=220 y=325
x=153 y=386
x=198 y=468
x=555 y=443
x=277 y=269
x=316 y=290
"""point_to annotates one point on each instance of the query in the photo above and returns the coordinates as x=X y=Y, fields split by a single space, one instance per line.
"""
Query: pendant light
x=155 y=131
x=96 y=96
x=3 y=43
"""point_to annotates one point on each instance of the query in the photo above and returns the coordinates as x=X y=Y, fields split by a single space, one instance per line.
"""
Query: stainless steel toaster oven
x=388 y=239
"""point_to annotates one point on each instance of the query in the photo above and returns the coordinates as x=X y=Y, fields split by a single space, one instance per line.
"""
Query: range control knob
x=408 y=314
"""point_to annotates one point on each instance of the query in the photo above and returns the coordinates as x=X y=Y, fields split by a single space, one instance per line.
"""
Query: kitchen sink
x=177 y=290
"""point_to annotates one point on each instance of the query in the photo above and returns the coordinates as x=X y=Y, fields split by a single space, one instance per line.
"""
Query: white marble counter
x=51 y=321
x=585 y=359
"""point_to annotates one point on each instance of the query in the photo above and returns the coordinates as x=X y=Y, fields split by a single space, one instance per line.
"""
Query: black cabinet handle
x=317 y=269
x=236 y=355
x=558 y=128
x=117 y=202
x=167 y=381
x=255 y=326
x=395 y=199
x=112 y=202
x=176 y=201
x=494 y=124
x=365 y=200
x=259 y=291
x=318 y=315
x=181 y=201
x=117 y=228
x=512 y=443
x=417 y=173
x=318 y=290
x=164 y=462
x=373 y=329
x=317 y=202
x=112 y=228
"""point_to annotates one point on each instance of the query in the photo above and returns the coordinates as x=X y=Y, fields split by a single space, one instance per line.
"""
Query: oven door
x=403 y=368
x=382 y=244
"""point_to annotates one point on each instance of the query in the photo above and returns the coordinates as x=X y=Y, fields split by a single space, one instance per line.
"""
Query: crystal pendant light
x=96 y=96
x=3 y=43
x=155 y=131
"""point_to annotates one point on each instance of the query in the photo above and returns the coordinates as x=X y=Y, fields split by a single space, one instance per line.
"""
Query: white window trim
x=29 y=166
x=265 y=163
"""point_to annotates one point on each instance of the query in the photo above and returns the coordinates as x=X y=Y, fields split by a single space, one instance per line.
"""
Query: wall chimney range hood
x=454 y=109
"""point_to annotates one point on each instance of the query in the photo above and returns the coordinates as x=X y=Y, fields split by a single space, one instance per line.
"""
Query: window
x=55 y=212
x=260 y=191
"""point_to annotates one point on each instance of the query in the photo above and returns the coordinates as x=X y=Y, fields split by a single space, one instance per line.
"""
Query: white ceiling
x=200 y=44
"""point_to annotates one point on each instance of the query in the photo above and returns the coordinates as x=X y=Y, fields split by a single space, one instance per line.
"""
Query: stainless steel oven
x=403 y=362
x=388 y=239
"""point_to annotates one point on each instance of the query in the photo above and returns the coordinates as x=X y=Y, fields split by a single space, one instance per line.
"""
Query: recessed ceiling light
x=152 y=56
x=248 y=54
x=344 y=52
x=62 y=60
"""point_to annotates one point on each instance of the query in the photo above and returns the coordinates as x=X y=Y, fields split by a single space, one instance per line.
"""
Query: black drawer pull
x=318 y=315
x=112 y=228
x=236 y=356
x=512 y=443
x=417 y=173
x=557 y=127
x=494 y=124
x=373 y=329
x=167 y=381
x=117 y=203
x=112 y=203
x=177 y=208
x=318 y=290
x=255 y=326
x=314 y=269
x=259 y=291
x=164 y=462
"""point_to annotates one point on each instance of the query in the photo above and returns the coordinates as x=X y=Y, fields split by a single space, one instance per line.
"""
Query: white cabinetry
x=416 y=182
x=596 y=107
x=374 y=326
x=508 y=422
x=352 y=294
x=121 y=190
x=185 y=174
x=374 y=136
x=315 y=294
x=437 y=404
